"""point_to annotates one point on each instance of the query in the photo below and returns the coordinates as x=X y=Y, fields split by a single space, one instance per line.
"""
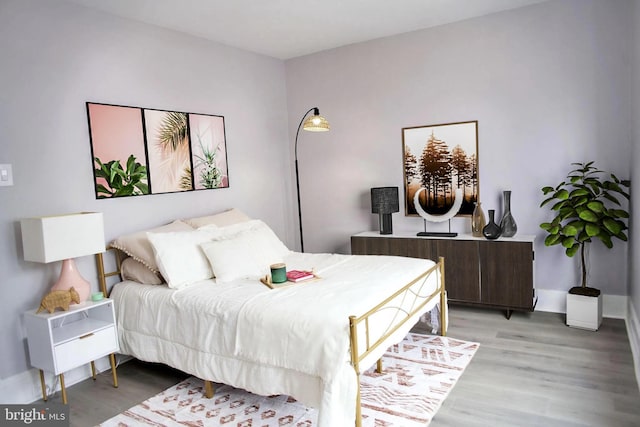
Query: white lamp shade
x=56 y=238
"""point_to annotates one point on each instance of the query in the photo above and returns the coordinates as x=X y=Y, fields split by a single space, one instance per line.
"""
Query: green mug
x=278 y=273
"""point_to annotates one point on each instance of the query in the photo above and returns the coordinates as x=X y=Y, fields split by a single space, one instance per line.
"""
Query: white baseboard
x=25 y=387
x=633 y=330
x=614 y=306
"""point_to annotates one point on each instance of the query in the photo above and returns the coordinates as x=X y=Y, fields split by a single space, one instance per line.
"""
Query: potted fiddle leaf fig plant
x=586 y=207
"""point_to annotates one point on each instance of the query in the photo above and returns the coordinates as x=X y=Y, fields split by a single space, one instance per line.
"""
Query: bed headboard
x=102 y=274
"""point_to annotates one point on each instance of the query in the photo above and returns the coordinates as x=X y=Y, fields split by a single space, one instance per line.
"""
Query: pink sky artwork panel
x=209 y=151
x=116 y=134
x=169 y=151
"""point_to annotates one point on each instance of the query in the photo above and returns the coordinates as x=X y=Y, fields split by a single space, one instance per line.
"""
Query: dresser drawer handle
x=86 y=336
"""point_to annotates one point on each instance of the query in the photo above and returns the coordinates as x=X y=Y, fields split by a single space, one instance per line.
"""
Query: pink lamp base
x=70 y=278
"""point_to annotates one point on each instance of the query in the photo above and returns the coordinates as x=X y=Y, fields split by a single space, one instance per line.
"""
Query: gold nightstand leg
x=114 y=374
x=379 y=366
x=43 y=385
x=93 y=370
x=63 y=389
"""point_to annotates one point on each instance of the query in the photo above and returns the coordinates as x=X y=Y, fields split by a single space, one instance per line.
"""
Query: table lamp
x=63 y=238
x=384 y=201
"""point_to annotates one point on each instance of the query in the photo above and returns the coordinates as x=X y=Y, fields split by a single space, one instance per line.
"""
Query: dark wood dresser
x=480 y=272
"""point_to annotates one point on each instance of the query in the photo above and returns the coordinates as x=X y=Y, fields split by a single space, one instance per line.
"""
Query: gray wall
x=634 y=266
x=55 y=57
x=549 y=85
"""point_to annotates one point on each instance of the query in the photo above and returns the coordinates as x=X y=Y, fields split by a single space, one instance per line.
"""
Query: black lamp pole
x=316 y=112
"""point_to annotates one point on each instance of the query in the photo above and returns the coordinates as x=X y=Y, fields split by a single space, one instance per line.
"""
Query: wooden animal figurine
x=55 y=299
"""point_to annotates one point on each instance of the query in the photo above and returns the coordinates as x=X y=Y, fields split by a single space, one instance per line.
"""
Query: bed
x=308 y=340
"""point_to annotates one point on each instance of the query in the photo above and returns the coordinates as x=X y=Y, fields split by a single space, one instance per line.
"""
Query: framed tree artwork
x=137 y=151
x=438 y=160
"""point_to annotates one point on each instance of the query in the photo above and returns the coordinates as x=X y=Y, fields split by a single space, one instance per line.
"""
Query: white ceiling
x=289 y=28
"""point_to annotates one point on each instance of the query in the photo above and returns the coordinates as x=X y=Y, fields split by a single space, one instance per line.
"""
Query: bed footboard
x=359 y=326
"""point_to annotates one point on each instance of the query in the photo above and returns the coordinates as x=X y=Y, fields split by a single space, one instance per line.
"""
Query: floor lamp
x=315 y=123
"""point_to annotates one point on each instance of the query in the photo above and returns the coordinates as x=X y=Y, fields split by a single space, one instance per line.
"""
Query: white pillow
x=180 y=258
x=137 y=246
x=244 y=252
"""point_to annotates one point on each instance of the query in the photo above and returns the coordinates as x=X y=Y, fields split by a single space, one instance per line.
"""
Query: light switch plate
x=6 y=175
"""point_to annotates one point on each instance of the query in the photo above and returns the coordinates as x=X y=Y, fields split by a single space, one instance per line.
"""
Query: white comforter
x=293 y=340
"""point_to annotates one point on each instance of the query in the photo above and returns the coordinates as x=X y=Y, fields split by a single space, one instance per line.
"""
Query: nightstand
x=63 y=340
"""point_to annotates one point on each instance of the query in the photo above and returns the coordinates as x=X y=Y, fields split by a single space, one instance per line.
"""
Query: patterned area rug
x=418 y=374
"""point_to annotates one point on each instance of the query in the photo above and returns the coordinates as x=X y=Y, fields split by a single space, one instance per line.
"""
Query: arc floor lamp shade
x=63 y=238
x=384 y=201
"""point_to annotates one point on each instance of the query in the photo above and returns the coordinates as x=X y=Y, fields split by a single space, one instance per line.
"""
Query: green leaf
x=547 y=190
x=143 y=187
x=572 y=250
x=579 y=192
x=114 y=167
x=544 y=202
x=611 y=198
x=587 y=215
x=592 y=229
x=567 y=213
x=559 y=205
x=609 y=185
x=99 y=173
x=606 y=239
x=569 y=230
x=552 y=239
x=131 y=164
x=596 y=206
x=102 y=189
x=126 y=190
x=583 y=237
x=117 y=182
x=568 y=242
x=561 y=195
x=622 y=236
x=613 y=226
x=580 y=201
x=619 y=213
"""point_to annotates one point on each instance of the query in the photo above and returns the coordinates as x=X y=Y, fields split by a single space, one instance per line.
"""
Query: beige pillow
x=138 y=272
x=137 y=245
x=230 y=217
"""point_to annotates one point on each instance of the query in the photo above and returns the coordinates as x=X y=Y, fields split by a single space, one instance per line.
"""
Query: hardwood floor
x=531 y=370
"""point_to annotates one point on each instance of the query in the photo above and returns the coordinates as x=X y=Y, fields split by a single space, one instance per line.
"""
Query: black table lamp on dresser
x=384 y=201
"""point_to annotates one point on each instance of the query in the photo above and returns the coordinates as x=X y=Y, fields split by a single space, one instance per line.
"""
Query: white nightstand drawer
x=74 y=353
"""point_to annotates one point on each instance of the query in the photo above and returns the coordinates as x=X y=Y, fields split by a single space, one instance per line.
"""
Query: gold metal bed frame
x=357 y=324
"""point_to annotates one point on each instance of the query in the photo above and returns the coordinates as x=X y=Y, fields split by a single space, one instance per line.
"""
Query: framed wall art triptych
x=137 y=151
x=438 y=160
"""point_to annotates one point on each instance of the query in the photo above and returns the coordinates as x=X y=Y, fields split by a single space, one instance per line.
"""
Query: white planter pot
x=584 y=312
